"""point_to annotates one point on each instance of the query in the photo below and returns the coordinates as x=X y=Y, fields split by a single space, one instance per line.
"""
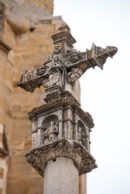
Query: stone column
x=60 y=163
x=61 y=177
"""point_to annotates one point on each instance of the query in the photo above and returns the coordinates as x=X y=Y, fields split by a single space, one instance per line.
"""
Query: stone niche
x=61 y=129
x=61 y=119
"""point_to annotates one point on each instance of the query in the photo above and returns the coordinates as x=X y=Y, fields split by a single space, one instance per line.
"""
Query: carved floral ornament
x=82 y=159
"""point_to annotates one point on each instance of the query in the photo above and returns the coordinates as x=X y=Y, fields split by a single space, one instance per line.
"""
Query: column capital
x=38 y=157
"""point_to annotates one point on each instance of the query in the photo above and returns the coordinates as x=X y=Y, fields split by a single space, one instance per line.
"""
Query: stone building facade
x=25 y=43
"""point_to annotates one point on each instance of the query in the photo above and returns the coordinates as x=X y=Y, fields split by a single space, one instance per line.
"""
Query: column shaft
x=61 y=177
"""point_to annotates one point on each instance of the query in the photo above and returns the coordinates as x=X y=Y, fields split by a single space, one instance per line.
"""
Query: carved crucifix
x=65 y=66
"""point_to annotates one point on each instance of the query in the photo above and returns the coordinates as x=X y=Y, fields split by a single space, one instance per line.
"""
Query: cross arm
x=32 y=79
x=96 y=56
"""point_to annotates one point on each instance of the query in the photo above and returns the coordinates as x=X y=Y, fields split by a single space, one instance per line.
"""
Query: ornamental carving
x=82 y=159
x=51 y=133
x=66 y=64
x=60 y=128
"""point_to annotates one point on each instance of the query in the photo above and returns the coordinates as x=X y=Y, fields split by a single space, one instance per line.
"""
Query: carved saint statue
x=54 y=79
x=74 y=75
x=58 y=48
x=79 y=134
x=83 y=139
x=51 y=133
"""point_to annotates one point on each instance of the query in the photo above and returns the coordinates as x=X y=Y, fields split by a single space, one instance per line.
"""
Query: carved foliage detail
x=39 y=157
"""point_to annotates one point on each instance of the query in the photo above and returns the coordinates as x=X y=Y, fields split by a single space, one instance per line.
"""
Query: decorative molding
x=82 y=159
x=66 y=100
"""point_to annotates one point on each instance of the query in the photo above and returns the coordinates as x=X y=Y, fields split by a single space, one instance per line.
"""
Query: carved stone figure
x=75 y=57
x=34 y=74
x=26 y=76
x=84 y=141
x=56 y=61
x=51 y=133
x=74 y=75
x=58 y=48
x=41 y=70
x=79 y=134
x=34 y=140
x=55 y=78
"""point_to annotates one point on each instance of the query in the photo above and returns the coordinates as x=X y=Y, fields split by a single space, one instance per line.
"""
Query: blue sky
x=105 y=94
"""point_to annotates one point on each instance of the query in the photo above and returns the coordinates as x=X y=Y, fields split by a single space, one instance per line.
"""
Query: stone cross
x=60 y=128
x=66 y=64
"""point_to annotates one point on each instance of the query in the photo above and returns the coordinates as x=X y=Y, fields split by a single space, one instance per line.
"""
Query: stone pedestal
x=61 y=177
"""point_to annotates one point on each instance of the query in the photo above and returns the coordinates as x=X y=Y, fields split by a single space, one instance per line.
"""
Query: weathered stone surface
x=26 y=185
x=39 y=156
x=61 y=128
x=64 y=66
x=61 y=181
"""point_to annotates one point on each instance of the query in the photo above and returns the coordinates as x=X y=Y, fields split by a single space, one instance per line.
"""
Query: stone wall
x=5 y=85
x=32 y=49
